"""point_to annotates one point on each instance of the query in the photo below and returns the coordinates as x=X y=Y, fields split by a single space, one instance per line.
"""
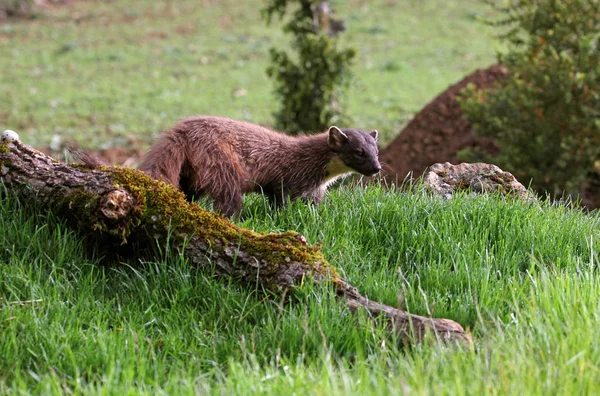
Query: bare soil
x=437 y=132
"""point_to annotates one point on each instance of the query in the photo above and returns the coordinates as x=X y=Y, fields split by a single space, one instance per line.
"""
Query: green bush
x=545 y=117
x=311 y=83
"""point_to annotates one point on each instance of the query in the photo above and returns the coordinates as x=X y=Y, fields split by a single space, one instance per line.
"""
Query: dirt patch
x=437 y=132
x=590 y=192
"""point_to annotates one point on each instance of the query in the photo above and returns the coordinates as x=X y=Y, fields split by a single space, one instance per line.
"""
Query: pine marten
x=225 y=158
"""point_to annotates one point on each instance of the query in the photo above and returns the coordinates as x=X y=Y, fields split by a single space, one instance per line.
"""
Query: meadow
x=522 y=277
x=104 y=74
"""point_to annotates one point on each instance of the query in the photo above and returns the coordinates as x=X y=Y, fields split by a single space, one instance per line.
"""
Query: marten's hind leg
x=227 y=200
x=165 y=161
x=220 y=179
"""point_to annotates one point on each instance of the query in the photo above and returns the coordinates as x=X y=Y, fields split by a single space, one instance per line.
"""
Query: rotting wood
x=126 y=206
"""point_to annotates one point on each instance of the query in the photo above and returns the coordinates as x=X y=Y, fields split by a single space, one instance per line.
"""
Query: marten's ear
x=374 y=133
x=336 y=138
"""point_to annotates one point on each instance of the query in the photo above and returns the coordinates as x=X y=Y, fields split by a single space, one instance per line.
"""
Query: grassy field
x=522 y=278
x=105 y=74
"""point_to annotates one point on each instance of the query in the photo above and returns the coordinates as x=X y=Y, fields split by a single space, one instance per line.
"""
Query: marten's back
x=205 y=143
x=204 y=129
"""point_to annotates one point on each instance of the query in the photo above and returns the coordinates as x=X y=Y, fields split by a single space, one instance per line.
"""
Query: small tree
x=309 y=85
x=545 y=117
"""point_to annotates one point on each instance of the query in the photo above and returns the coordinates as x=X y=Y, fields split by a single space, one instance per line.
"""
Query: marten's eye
x=362 y=153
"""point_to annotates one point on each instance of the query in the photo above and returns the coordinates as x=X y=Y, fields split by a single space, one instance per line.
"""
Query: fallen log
x=125 y=206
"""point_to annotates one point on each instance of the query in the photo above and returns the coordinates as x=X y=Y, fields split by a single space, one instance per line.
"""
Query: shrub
x=545 y=117
x=311 y=83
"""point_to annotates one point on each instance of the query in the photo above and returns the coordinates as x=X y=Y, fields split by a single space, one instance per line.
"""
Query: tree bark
x=123 y=205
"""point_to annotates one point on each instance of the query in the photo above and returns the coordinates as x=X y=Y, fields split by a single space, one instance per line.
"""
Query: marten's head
x=356 y=149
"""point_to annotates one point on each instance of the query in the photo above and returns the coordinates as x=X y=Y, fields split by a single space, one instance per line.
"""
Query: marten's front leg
x=315 y=196
x=277 y=198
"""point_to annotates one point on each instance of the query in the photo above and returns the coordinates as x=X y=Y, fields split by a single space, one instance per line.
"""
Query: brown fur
x=225 y=158
x=88 y=159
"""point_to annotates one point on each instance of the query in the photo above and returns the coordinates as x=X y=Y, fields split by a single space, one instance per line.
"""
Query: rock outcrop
x=478 y=178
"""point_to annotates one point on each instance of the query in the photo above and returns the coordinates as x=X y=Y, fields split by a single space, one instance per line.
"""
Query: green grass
x=105 y=74
x=523 y=278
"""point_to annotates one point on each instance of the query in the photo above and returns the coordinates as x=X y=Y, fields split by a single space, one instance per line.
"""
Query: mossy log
x=126 y=206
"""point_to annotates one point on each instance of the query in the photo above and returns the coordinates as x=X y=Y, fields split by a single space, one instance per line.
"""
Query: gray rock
x=479 y=178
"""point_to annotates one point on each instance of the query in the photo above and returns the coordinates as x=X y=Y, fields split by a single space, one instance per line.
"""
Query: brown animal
x=225 y=158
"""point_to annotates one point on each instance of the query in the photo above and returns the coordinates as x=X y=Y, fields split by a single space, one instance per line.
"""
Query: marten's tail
x=86 y=158
x=165 y=159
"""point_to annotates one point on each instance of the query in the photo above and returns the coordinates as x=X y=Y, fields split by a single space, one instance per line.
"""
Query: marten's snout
x=376 y=167
x=369 y=166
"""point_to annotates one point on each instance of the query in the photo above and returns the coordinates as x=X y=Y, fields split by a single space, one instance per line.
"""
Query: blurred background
x=110 y=75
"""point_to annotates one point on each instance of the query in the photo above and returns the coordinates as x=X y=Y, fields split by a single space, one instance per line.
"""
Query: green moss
x=166 y=206
x=81 y=206
x=504 y=181
x=82 y=209
x=81 y=167
x=4 y=147
x=463 y=185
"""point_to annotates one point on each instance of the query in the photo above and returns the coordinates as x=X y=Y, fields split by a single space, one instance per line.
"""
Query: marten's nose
x=376 y=168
